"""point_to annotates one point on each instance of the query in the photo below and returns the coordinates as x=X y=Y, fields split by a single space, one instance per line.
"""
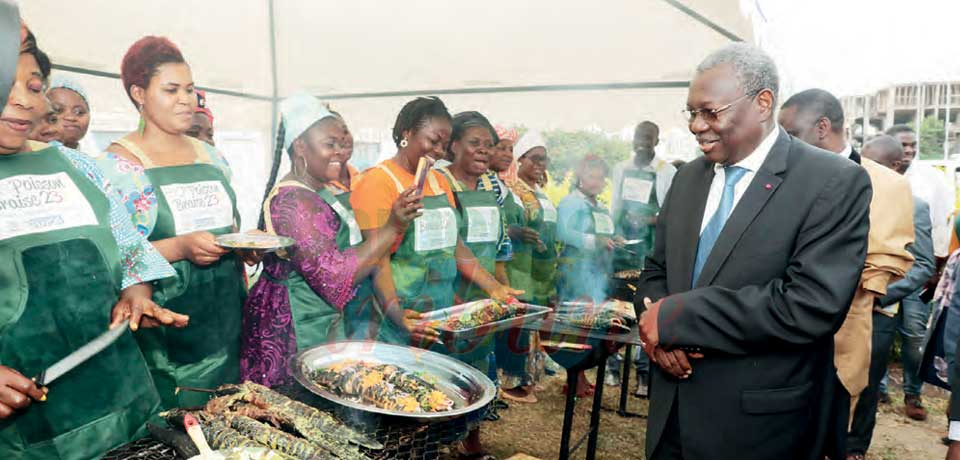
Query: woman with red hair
x=177 y=191
x=70 y=254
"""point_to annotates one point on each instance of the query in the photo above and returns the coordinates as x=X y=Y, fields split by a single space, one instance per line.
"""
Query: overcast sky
x=859 y=46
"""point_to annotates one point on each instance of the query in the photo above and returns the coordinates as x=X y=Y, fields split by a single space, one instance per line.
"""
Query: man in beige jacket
x=815 y=116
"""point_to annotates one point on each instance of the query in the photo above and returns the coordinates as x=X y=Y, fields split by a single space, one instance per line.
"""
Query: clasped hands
x=674 y=362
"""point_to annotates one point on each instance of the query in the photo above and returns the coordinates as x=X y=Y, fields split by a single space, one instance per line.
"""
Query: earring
x=142 y=124
x=304 y=164
x=404 y=143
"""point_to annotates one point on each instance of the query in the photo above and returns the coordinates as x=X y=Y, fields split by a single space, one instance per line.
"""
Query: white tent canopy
x=562 y=64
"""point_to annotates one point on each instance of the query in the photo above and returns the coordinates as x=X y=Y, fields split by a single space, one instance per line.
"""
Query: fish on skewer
x=216 y=431
x=237 y=404
x=276 y=439
x=309 y=421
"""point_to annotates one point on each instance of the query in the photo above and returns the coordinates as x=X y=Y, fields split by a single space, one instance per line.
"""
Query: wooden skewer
x=194 y=389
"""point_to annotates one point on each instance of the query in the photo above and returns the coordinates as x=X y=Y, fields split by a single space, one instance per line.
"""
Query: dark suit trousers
x=669 y=446
x=865 y=414
x=838 y=418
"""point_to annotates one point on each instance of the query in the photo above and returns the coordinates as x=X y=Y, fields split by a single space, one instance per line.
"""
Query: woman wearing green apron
x=586 y=232
x=481 y=226
x=71 y=254
x=319 y=290
x=420 y=274
x=534 y=265
x=178 y=193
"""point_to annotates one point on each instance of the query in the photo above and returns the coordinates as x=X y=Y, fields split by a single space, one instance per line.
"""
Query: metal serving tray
x=469 y=388
x=254 y=242
x=534 y=313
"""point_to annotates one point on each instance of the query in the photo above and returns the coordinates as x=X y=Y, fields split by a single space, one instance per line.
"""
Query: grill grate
x=402 y=438
x=143 y=449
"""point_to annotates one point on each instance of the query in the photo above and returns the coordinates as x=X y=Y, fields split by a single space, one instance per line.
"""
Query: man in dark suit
x=759 y=248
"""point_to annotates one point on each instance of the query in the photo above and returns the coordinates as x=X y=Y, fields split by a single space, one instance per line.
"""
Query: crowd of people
x=776 y=267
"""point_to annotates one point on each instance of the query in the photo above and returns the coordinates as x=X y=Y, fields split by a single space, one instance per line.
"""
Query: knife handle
x=40 y=378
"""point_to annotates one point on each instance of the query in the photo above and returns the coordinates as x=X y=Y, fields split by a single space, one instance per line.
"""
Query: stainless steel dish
x=534 y=312
x=254 y=242
x=469 y=388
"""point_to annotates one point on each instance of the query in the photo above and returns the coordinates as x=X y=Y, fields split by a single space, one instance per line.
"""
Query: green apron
x=519 y=266
x=479 y=230
x=584 y=273
x=543 y=269
x=315 y=321
x=60 y=281
x=194 y=197
x=512 y=346
x=425 y=269
x=638 y=201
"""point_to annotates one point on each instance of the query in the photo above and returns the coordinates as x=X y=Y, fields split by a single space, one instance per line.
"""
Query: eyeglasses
x=539 y=159
x=711 y=115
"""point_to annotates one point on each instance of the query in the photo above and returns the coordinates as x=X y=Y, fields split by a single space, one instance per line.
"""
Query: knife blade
x=80 y=355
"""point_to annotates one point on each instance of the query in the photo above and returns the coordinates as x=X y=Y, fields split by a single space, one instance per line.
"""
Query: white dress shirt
x=931 y=185
x=751 y=163
x=847 y=151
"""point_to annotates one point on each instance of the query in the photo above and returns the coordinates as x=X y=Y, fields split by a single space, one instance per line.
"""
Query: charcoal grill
x=402 y=438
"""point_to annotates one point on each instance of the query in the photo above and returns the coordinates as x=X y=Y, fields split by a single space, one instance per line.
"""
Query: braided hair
x=416 y=114
x=274 y=171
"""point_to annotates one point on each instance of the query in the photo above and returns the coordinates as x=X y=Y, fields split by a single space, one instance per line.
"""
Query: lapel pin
x=768 y=186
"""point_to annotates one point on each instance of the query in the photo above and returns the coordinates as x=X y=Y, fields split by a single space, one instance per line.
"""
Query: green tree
x=931 y=138
x=567 y=148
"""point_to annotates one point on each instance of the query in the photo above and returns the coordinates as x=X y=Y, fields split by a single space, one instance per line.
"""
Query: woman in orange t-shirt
x=420 y=274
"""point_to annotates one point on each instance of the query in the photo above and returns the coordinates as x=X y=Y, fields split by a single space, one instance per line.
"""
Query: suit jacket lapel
x=689 y=235
x=764 y=184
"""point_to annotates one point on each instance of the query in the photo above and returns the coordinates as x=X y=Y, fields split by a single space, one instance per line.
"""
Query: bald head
x=887 y=151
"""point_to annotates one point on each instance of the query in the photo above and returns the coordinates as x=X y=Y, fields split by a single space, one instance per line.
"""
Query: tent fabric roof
x=560 y=64
x=346 y=51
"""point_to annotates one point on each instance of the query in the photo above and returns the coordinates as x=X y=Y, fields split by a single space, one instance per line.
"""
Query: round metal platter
x=254 y=242
x=469 y=388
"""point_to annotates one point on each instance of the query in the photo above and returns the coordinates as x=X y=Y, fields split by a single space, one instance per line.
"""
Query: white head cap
x=299 y=112
x=526 y=143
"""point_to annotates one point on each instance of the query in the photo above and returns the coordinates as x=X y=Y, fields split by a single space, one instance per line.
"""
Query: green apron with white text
x=512 y=346
x=424 y=267
x=315 y=321
x=479 y=230
x=59 y=284
x=205 y=354
x=519 y=266
x=584 y=273
x=638 y=202
x=543 y=269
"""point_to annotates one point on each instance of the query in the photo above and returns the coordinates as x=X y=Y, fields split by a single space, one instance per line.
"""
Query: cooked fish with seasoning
x=384 y=386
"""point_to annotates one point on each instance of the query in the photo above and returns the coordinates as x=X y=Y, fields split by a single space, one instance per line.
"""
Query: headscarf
x=511 y=134
x=65 y=82
x=202 y=105
x=529 y=141
x=299 y=112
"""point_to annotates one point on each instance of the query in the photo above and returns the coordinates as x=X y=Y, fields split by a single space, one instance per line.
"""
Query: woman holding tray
x=421 y=271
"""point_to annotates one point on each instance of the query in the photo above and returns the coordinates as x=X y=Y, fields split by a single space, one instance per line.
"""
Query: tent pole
x=703 y=20
x=273 y=76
